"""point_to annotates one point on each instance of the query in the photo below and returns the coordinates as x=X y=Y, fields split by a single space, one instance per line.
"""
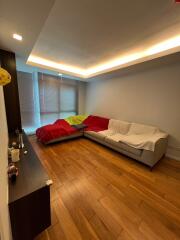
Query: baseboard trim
x=173 y=152
x=173 y=157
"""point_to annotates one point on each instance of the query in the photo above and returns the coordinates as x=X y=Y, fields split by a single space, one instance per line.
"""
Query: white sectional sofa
x=144 y=143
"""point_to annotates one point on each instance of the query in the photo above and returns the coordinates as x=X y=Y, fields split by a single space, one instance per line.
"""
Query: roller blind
x=45 y=98
x=58 y=98
x=29 y=101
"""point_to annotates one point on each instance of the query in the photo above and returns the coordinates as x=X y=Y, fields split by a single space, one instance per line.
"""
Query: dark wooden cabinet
x=11 y=96
x=29 y=197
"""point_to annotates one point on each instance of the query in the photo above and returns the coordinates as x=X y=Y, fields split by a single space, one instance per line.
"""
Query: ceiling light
x=166 y=47
x=17 y=37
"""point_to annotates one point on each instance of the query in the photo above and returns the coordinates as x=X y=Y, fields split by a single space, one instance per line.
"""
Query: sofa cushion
x=95 y=135
x=106 y=133
x=52 y=131
x=75 y=120
x=145 y=141
x=123 y=146
x=118 y=126
x=137 y=128
x=96 y=123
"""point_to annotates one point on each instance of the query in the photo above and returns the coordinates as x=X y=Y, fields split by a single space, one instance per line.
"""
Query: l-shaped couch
x=146 y=144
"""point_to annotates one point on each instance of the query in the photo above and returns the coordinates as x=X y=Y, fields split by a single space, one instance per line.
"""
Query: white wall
x=81 y=97
x=4 y=213
x=148 y=93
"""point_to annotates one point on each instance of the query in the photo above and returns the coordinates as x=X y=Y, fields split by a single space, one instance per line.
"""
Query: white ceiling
x=86 y=33
x=25 y=17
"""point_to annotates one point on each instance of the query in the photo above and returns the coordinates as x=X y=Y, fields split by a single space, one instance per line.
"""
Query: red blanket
x=96 y=123
x=52 y=131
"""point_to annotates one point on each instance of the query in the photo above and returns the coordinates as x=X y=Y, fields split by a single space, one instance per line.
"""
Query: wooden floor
x=100 y=194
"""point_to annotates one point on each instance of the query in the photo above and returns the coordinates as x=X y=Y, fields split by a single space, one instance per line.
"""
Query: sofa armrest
x=152 y=157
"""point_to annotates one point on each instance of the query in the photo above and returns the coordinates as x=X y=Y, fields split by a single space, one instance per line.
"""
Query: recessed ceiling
x=79 y=36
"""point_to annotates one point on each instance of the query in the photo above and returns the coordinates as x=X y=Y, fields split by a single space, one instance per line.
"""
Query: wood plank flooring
x=100 y=194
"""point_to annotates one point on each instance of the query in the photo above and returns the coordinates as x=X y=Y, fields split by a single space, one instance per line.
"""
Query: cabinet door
x=30 y=215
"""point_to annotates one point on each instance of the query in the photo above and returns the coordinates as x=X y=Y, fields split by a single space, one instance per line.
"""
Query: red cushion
x=96 y=123
x=52 y=131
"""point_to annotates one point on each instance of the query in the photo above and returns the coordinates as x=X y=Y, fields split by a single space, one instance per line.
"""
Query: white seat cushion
x=95 y=134
x=145 y=141
x=124 y=147
x=106 y=133
x=117 y=137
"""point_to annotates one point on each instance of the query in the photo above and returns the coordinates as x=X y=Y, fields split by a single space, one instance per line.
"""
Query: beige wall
x=147 y=93
x=4 y=215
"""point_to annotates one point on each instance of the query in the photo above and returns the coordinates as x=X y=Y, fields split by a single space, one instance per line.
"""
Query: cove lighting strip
x=150 y=53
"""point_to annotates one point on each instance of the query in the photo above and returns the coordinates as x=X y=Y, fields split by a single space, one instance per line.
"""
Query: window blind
x=68 y=100
x=58 y=98
x=48 y=98
x=45 y=98
x=28 y=101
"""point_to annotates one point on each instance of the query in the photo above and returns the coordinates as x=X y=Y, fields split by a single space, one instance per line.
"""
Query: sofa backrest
x=96 y=121
x=137 y=128
x=119 y=126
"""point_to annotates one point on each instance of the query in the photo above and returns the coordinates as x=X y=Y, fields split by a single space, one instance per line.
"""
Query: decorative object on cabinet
x=5 y=77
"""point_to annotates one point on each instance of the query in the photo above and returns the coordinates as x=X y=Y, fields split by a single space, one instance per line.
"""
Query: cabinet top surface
x=32 y=175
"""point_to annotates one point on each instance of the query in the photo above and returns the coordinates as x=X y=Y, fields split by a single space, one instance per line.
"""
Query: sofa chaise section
x=58 y=131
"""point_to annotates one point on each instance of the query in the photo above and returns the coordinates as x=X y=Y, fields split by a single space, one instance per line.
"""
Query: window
x=58 y=98
x=68 y=100
x=45 y=98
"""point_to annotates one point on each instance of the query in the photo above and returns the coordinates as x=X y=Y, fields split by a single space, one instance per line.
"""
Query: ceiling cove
x=160 y=49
